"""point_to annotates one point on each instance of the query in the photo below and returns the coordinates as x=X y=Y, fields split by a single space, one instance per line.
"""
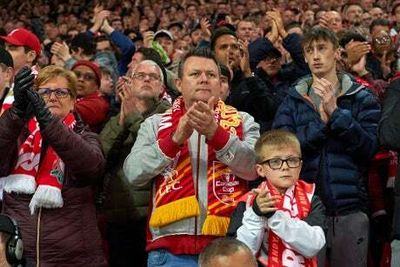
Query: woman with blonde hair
x=51 y=164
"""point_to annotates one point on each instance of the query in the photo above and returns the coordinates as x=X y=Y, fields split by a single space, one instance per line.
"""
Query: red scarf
x=296 y=203
x=175 y=196
x=37 y=174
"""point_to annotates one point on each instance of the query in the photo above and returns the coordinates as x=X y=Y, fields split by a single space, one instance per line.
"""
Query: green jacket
x=123 y=204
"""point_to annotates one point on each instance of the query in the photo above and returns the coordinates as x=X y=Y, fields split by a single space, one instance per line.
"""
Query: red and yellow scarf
x=37 y=174
x=296 y=202
x=175 y=196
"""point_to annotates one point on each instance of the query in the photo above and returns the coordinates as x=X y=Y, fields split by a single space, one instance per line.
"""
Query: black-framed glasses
x=142 y=75
x=277 y=163
x=85 y=76
x=45 y=93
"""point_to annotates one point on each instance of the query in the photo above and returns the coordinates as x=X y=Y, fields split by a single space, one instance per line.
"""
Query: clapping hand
x=23 y=81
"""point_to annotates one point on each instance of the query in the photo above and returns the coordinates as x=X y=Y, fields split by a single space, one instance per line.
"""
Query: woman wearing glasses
x=51 y=163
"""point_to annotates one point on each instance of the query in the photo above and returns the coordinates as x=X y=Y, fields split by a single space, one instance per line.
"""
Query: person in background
x=126 y=209
x=227 y=252
x=91 y=104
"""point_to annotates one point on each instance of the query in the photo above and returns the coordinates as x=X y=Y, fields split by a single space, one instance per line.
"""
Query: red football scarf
x=175 y=197
x=37 y=174
x=297 y=204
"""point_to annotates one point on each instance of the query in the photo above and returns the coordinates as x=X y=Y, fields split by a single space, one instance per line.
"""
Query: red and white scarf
x=37 y=174
x=296 y=202
x=175 y=196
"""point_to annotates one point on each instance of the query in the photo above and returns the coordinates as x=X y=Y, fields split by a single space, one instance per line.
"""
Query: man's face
x=366 y=19
x=176 y=32
x=117 y=25
x=86 y=80
x=239 y=10
x=238 y=259
x=354 y=14
x=271 y=65
x=191 y=12
x=103 y=46
x=376 y=13
x=397 y=14
x=146 y=82
x=196 y=37
x=19 y=56
x=244 y=30
x=335 y=21
x=321 y=57
x=200 y=80
x=166 y=43
x=227 y=50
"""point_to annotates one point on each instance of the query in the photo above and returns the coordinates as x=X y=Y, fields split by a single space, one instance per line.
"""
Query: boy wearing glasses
x=281 y=221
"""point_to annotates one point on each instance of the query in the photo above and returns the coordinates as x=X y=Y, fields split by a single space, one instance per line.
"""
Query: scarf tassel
x=20 y=183
x=215 y=225
x=174 y=211
x=46 y=197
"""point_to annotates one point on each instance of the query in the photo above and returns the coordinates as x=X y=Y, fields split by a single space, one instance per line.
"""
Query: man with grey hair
x=227 y=252
x=126 y=209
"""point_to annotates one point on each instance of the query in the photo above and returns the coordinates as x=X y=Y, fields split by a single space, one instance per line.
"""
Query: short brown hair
x=320 y=33
x=275 y=139
x=54 y=71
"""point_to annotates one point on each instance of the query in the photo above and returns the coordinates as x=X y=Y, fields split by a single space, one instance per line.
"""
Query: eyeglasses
x=277 y=163
x=85 y=76
x=45 y=93
x=385 y=39
x=141 y=76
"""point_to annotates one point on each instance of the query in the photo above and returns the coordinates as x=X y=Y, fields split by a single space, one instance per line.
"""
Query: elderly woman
x=51 y=162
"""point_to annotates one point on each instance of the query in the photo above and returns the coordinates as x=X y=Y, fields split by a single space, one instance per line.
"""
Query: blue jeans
x=161 y=257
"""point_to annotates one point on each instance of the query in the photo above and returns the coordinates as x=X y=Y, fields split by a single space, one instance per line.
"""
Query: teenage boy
x=335 y=119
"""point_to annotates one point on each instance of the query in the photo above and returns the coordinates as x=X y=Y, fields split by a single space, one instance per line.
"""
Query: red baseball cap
x=23 y=37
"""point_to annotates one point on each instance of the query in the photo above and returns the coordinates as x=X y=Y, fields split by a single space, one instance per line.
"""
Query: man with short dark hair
x=197 y=156
x=335 y=119
x=248 y=93
x=227 y=252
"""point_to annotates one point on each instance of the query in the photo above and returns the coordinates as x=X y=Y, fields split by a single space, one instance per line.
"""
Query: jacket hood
x=348 y=85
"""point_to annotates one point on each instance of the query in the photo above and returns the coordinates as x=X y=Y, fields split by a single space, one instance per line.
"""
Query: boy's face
x=284 y=176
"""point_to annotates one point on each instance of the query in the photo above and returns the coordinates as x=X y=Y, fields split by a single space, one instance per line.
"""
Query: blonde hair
x=53 y=71
x=274 y=140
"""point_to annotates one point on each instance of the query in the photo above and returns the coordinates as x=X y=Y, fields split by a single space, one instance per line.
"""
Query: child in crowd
x=281 y=220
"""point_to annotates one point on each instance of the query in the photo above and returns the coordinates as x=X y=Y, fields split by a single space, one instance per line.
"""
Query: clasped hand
x=200 y=117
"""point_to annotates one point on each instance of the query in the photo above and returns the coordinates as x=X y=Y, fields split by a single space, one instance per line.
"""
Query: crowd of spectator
x=132 y=131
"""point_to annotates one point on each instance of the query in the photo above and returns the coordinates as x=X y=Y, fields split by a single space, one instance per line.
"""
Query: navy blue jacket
x=336 y=154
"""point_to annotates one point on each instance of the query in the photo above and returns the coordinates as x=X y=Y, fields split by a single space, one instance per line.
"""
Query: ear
x=260 y=170
x=337 y=54
x=178 y=84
